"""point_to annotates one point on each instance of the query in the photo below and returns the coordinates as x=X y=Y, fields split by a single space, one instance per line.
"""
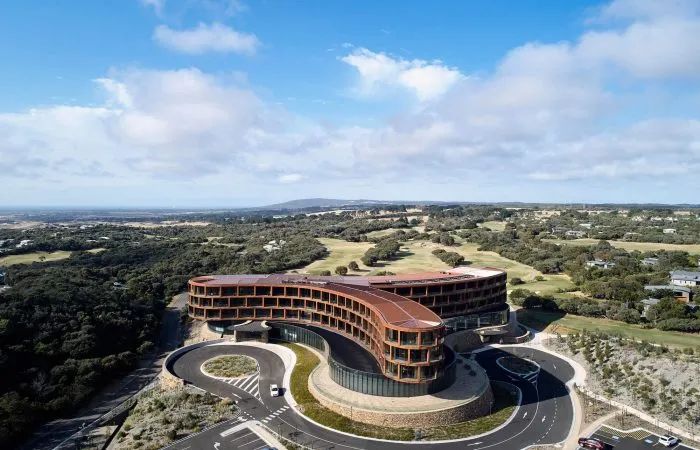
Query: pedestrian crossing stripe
x=249 y=384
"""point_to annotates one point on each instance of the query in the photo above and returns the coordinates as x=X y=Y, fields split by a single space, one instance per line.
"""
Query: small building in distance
x=669 y=231
x=600 y=264
x=650 y=261
x=576 y=234
x=685 y=278
x=680 y=293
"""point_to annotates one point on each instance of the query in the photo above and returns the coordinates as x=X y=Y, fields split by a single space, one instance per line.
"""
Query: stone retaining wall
x=167 y=379
x=478 y=407
x=463 y=341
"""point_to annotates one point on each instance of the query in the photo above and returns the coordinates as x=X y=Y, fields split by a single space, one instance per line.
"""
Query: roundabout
x=230 y=366
x=544 y=415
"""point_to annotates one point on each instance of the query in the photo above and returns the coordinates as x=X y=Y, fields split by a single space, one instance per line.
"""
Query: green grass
x=494 y=225
x=381 y=233
x=566 y=323
x=631 y=246
x=29 y=258
x=503 y=408
x=231 y=366
x=307 y=361
x=340 y=254
x=550 y=285
x=416 y=256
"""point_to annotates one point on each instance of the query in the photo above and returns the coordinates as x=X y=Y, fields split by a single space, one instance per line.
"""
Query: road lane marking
x=250 y=442
x=543 y=417
x=525 y=415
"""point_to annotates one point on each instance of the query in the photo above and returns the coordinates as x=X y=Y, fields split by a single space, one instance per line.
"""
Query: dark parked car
x=592 y=443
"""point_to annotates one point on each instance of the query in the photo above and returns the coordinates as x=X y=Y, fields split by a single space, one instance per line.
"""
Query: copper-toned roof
x=393 y=308
x=458 y=273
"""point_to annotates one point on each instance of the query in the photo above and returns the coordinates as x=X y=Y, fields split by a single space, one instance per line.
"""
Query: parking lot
x=635 y=440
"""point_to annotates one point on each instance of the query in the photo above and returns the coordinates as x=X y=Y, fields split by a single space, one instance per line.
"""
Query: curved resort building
x=401 y=320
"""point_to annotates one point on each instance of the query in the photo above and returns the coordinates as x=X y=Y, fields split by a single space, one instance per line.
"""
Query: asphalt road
x=545 y=416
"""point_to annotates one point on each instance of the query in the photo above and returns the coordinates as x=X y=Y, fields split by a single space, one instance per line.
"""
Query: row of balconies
x=443 y=288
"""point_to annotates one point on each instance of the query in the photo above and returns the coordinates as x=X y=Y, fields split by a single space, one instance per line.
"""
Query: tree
x=325 y=273
x=341 y=270
x=518 y=295
x=352 y=265
x=516 y=281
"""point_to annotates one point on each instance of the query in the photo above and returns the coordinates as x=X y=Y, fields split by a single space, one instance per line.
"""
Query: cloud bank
x=553 y=119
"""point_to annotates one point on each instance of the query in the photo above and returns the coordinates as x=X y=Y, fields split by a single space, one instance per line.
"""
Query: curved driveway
x=544 y=417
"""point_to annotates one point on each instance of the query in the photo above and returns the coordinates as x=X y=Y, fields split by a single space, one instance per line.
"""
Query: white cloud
x=206 y=38
x=427 y=80
x=549 y=115
x=290 y=178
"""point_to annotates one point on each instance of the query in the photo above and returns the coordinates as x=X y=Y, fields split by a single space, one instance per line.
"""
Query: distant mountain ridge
x=326 y=203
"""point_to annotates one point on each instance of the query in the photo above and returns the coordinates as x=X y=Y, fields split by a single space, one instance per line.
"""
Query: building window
x=408 y=372
x=400 y=354
x=419 y=355
x=408 y=338
x=229 y=291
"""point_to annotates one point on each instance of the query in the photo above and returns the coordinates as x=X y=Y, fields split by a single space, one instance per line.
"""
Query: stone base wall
x=477 y=408
x=463 y=341
x=169 y=381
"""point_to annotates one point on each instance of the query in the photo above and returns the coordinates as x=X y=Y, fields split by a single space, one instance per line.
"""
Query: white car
x=274 y=390
x=668 y=441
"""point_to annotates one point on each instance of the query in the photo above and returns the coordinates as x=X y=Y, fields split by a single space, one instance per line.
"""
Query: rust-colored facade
x=397 y=318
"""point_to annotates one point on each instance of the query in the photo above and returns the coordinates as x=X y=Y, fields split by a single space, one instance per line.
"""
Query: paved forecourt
x=635 y=439
x=544 y=417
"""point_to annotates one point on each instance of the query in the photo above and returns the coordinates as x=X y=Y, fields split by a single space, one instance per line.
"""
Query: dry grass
x=631 y=246
x=231 y=366
x=340 y=254
x=417 y=256
x=29 y=258
x=494 y=225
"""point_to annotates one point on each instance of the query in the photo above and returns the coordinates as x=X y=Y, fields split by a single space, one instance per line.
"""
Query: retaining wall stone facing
x=477 y=408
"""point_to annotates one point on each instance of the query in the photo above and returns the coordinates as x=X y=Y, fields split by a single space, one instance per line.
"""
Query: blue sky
x=231 y=103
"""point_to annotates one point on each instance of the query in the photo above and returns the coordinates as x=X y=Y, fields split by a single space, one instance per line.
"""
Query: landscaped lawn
x=502 y=410
x=566 y=323
x=340 y=254
x=417 y=256
x=631 y=246
x=307 y=361
x=550 y=285
x=231 y=366
x=29 y=258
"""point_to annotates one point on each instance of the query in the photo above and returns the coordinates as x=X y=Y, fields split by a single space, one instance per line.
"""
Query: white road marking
x=525 y=415
x=217 y=445
x=475 y=443
x=245 y=386
x=543 y=417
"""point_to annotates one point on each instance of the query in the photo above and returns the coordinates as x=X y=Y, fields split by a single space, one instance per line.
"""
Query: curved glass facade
x=360 y=381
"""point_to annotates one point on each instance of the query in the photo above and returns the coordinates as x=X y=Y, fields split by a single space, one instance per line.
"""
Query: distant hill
x=304 y=203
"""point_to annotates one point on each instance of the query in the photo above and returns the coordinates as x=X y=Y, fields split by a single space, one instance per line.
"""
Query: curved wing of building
x=399 y=318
